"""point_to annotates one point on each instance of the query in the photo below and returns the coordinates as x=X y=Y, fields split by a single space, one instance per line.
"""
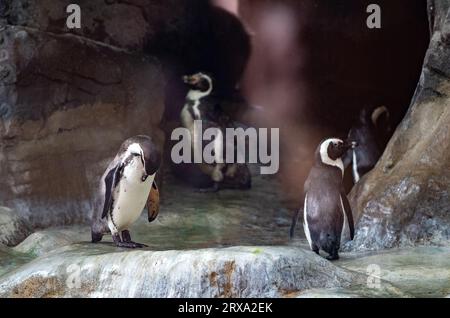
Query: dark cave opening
x=311 y=66
x=332 y=66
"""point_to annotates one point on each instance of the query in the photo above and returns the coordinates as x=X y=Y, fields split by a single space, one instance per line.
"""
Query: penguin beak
x=190 y=79
x=350 y=144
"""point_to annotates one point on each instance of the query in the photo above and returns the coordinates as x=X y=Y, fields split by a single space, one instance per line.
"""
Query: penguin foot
x=130 y=245
x=212 y=189
x=126 y=238
x=126 y=241
x=96 y=237
x=332 y=257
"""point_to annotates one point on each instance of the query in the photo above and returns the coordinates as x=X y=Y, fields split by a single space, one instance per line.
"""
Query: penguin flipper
x=111 y=180
x=153 y=203
x=347 y=158
x=294 y=223
x=348 y=213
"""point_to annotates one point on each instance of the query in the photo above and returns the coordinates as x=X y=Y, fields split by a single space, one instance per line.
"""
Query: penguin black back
x=369 y=131
x=325 y=205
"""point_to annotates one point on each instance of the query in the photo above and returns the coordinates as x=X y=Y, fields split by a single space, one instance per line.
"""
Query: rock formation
x=67 y=103
x=405 y=199
x=82 y=270
x=13 y=228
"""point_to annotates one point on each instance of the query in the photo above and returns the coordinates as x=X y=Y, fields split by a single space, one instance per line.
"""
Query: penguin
x=325 y=205
x=370 y=131
x=202 y=104
x=126 y=187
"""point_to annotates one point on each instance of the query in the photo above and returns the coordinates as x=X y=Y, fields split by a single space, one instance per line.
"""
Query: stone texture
x=67 y=105
x=422 y=271
x=173 y=30
x=11 y=260
x=105 y=271
x=42 y=242
x=405 y=199
x=13 y=229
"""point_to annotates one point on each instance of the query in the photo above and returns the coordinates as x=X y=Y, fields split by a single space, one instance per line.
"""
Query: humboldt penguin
x=126 y=187
x=202 y=104
x=326 y=206
x=370 y=131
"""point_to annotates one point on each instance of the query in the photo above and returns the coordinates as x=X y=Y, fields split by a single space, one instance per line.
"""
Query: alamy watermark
x=231 y=148
x=374 y=19
x=73 y=21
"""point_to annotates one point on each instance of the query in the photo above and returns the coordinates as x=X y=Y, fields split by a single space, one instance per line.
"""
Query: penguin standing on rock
x=326 y=206
x=126 y=187
x=201 y=104
x=370 y=132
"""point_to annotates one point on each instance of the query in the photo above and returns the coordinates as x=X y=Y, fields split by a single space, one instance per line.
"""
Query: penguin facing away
x=369 y=131
x=126 y=187
x=202 y=105
x=325 y=205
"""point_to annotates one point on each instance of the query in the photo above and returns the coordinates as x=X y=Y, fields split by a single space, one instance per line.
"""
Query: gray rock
x=405 y=199
x=11 y=260
x=386 y=291
x=88 y=270
x=13 y=228
x=419 y=271
x=42 y=242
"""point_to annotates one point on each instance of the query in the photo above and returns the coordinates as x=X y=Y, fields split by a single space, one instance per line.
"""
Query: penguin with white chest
x=202 y=104
x=370 y=131
x=126 y=187
x=326 y=206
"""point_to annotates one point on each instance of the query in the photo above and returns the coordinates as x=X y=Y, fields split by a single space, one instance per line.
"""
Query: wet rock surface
x=405 y=199
x=189 y=256
x=422 y=271
x=177 y=262
x=105 y=271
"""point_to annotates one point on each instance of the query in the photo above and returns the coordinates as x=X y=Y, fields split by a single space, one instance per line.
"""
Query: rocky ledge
x=101 y=270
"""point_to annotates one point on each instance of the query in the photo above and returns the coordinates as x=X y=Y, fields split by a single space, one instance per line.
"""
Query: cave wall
x=67 y=105
x=69 y=97
x=405 y=199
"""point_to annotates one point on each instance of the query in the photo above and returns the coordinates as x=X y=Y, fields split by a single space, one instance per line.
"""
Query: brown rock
x=405 y=199
x=67 y=105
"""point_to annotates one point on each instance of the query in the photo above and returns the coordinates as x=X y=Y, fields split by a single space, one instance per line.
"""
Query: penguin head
x=374 y=116
x=143 y=147
x=199 y=82
x=331 y=150
x=380 y=118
